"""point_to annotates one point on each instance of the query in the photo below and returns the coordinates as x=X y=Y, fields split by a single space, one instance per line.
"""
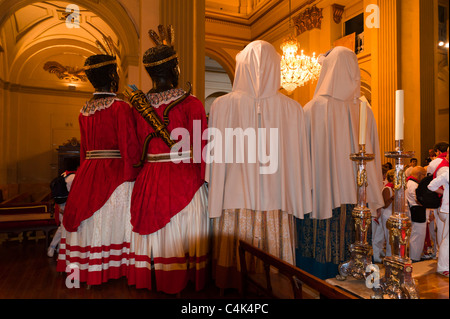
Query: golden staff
x=140 y=102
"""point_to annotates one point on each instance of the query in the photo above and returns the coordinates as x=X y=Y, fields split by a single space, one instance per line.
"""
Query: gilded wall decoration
x=65 y=72
x=309 y=19
x=338 y=10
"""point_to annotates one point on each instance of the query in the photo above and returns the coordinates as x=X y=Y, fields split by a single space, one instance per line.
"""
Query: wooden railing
x=296 y=276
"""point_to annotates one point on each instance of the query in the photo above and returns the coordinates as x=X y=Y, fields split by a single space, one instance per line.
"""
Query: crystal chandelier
x=296 y=70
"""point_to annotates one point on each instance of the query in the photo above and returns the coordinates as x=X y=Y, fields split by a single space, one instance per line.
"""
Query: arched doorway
x=42 y=88
x=225 y=61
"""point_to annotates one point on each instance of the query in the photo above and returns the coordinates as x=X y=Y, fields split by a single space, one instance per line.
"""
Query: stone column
x=188 y=20
x=428 y=46
x=387 y=76
x=416 y=46
x=3 y=123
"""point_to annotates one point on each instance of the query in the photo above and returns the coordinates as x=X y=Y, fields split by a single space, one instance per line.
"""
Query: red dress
x=169 y=204
x=97 y=229
x=112 y=128
x=163 y=189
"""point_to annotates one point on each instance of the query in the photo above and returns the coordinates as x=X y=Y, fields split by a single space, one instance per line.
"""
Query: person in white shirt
x=417 y=213
x=411 y=165
x=378 y=224
x=440 y=149
x=437 y=168
x=435 y=184
x=386 y=211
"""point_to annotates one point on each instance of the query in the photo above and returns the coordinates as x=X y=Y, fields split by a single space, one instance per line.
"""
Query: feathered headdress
x=107 y=48
x=166 y=37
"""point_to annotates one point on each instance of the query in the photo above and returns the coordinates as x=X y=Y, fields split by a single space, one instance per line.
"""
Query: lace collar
x=166 y=97
x=97 y=105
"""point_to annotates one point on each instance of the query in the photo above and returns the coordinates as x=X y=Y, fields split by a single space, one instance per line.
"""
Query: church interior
x=399 y=44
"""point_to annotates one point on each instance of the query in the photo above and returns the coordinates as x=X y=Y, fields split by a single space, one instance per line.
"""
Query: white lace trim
x=166 y=97
x=97 y=105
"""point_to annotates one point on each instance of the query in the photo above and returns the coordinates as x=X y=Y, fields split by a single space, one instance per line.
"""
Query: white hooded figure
x=254 y=193
x=332 y=119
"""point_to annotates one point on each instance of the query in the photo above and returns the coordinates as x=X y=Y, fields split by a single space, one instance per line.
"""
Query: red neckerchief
x=443 y=163
x=412 y=178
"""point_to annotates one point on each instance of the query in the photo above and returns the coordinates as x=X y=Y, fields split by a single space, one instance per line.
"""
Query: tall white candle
x=399 y=114
x=362 y=122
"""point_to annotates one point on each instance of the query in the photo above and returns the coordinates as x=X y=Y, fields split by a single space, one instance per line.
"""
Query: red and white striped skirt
x=177 y=253
x=100 y=247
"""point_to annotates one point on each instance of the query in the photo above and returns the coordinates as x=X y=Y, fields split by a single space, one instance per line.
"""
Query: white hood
x=332 y=120
x=258 y=70
x=340 y=77
x=256 y=105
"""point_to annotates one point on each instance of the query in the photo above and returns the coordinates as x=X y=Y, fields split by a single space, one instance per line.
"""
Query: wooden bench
x=274 y=283
x=17 y=199
x=21 y=217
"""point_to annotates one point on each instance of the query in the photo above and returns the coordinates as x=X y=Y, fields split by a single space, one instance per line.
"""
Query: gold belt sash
x=167 y=157
x=99 y=154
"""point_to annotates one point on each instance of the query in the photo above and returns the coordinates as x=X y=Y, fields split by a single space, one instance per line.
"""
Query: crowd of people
x=429 y=229
x=161 y=224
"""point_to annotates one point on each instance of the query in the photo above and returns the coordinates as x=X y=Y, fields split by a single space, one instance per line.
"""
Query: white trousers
x=384 y=217
x=439 y=227
x=378 y=239
x=417 y=240
x=442 y=264
x=57 y=237
x=432 y=230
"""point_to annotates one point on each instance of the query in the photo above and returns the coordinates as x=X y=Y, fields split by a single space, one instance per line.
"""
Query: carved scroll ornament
x=309 y=19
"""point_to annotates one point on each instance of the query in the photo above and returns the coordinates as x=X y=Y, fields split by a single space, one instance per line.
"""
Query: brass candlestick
x=360 y=250
x=397 y=282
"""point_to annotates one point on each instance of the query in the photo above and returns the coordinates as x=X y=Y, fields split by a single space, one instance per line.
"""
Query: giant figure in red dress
x=169 y=202
x=97 y=229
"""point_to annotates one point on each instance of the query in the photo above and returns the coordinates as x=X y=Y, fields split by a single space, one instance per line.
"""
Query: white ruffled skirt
x=175 y=254
x=100 y=247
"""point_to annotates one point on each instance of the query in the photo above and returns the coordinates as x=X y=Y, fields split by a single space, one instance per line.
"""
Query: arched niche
x=227 y=63
x=217 y=81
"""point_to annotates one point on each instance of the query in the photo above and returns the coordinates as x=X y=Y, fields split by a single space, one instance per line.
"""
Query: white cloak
x=332 y=119
x=256 y=103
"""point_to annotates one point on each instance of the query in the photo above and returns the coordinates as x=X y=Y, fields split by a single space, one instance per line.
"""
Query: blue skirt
x=321 y=245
